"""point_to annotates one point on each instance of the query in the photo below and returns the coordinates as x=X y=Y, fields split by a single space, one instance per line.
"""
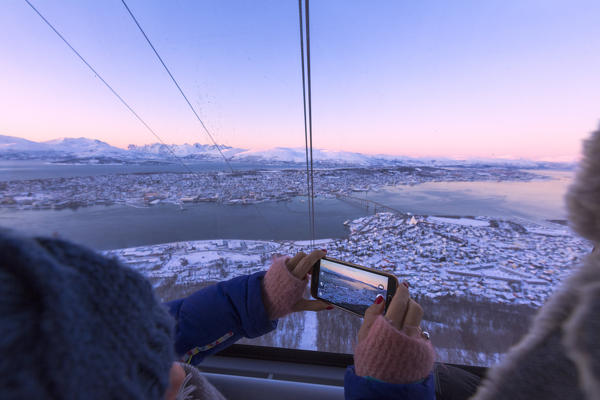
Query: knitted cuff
x=391 y=356
x=281 y=289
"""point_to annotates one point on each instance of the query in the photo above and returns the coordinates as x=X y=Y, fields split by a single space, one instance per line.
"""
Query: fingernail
x=329 y=308
x=406 y=284
x=378 y=299
x=324 y=251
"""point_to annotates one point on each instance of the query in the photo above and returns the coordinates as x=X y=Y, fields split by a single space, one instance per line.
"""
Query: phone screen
x=348 y=287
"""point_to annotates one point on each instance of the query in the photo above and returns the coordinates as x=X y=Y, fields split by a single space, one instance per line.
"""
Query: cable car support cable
x=176 y=84
x=307 y=103
x=113 y=91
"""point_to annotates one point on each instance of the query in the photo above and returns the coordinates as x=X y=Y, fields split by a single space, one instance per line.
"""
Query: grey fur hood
x=560 y=356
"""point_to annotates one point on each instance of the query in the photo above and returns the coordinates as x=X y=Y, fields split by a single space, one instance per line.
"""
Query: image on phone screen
x=348 y=287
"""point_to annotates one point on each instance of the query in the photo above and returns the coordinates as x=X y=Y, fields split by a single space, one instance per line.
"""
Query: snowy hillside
x=10 y=144
x=195 y=150
x=298 y=155
x=83 y=150
x=83 y=147
x=17 y=148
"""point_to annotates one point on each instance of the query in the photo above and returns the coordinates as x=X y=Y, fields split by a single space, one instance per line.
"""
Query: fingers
x=414 y=315
x=398 y=307
x=293 y=262
x=306 y=263
x=371 y=315
x=412 y=320
x=311 y=305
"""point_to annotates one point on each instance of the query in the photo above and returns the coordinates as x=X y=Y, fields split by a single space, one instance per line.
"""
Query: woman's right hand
x=404 y=314
x=392 y=347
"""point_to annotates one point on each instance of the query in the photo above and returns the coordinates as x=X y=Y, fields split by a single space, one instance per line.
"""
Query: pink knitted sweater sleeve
x=281 y=289
x=391 y=356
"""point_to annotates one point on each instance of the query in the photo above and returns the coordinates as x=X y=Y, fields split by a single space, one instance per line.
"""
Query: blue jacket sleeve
x=358 y=387
x=215 y=317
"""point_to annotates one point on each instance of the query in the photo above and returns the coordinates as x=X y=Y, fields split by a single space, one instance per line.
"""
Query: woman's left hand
x=301 y=266
x=285 y=282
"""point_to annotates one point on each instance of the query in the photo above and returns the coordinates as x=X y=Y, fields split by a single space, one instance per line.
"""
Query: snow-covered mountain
x=320 y=156
x=11 y=144
x=84 y=147
x=79 y=148
x=84 y=150
x=182 y=150
x=298 y=155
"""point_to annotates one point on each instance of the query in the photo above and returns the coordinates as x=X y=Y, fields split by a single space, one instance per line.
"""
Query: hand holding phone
x=284 y=284
x=391 y=347
x=403 y=313
x=300 y=266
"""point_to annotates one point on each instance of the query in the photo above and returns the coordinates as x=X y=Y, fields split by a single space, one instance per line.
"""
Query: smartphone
x=349 y=286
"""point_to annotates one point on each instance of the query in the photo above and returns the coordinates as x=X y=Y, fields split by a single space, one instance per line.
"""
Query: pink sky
x=428 y=79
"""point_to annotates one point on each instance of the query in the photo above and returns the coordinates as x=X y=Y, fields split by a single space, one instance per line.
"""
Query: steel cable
x=110 y=88
x=176 y=84
x=307 y=104
x=308 y=181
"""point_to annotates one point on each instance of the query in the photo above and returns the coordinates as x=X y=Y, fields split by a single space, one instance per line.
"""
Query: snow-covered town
x=481 y=258
x=239 y=187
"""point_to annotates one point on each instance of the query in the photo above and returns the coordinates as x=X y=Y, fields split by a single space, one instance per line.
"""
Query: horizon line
x=457 y=157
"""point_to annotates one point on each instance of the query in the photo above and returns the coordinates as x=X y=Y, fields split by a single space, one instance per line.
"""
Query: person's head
x=75 y=324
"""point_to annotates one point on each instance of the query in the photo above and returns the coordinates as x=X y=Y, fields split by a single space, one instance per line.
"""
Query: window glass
x=445 y=137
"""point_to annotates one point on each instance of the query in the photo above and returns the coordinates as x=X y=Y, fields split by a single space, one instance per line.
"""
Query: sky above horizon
x=431 y=78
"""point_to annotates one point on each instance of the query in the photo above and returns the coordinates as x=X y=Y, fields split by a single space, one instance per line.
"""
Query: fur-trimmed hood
x=583 y=198
x=560 y=356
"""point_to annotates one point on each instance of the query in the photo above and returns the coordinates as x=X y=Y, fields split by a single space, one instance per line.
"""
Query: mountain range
x=93 y=151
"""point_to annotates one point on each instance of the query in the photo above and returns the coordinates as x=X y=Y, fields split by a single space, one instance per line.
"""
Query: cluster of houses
x=240 y=187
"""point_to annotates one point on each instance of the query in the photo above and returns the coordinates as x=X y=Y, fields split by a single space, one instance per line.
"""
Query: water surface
x=109 y=227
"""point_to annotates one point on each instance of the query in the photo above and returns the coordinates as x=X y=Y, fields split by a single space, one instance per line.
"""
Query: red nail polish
x=329 y=308
x=324 y=251
x=379 y=299
x=406 y=284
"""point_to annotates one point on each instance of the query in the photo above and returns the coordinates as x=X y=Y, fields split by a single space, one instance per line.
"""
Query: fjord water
x=112 y=227
x=118 y=226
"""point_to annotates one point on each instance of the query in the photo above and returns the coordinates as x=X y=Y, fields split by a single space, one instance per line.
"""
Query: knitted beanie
x=76 y=325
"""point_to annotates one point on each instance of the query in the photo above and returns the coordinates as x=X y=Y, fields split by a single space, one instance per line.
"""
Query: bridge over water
x=368 y=204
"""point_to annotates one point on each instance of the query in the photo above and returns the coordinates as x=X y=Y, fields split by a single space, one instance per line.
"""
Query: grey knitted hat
x=76 y=325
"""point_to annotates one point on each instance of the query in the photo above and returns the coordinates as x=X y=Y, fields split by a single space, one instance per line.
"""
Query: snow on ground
x=484 y=258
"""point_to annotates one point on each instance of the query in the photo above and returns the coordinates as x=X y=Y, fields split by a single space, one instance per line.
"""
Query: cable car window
x=196 y=140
